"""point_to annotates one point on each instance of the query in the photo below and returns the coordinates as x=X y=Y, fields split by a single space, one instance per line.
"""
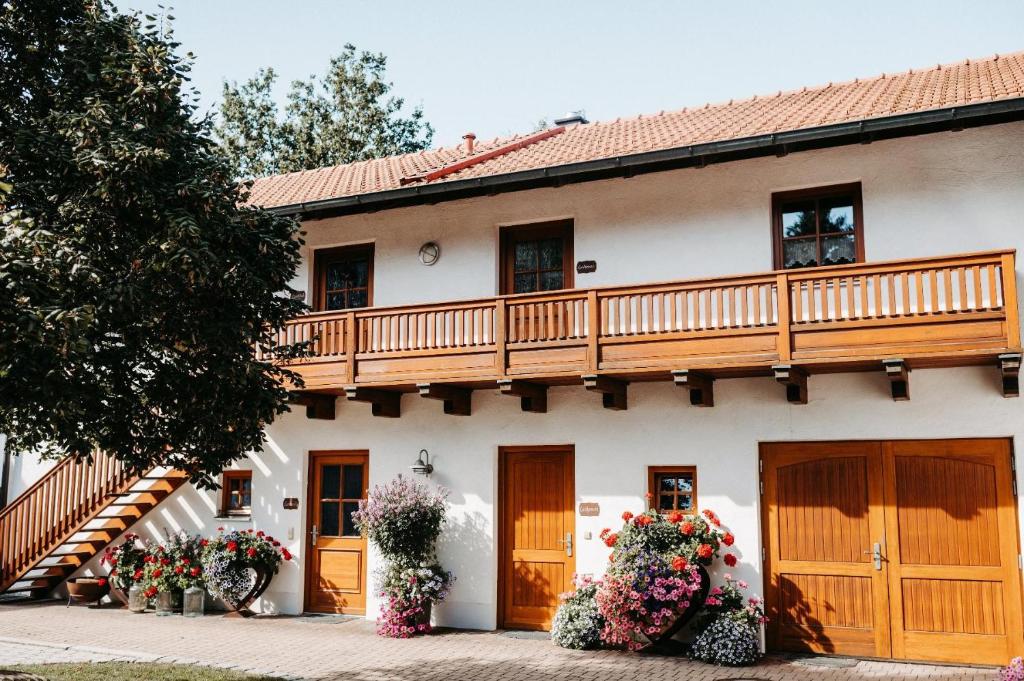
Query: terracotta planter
x=86 y=590
x=240 y=608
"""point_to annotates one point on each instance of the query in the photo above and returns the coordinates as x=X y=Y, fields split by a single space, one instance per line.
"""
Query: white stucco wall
x=931 y=195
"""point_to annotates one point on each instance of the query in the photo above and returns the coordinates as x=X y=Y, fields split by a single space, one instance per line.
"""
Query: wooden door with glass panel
x=537 y=528
x=536 y=257
x=343 y=278
x=336 y=580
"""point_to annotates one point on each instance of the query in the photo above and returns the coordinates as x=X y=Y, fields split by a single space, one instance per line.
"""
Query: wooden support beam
x=318 y=405
x=1009 y=370
x=613 y=391
x=701 y=386
x=386 y=403
x=899 y=378
x=533 y=397
x=457 y=400
x=795 y=380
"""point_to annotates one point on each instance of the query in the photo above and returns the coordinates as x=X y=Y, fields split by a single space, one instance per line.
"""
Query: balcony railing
x=959 y=309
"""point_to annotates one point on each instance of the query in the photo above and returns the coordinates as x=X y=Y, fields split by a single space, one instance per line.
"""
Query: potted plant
x=163 y=567
x=126 y=563
x=239 y=565
x=403 y=518
x=729 y=626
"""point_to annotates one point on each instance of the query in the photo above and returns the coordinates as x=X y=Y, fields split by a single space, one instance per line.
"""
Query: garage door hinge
x=762 y=488
x=764 y=556
x=760 y=465
x=1020 y=560
x=1015 y=487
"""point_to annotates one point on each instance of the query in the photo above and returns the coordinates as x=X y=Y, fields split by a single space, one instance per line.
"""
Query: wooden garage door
x=904 y=549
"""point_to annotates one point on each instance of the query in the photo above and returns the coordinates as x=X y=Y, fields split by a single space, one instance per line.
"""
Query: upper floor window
x=237 y=493
x=820 y=226
x=343 y=277
x=536 y=257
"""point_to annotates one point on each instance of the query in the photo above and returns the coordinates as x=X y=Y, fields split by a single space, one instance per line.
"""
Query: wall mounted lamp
x=423 y=465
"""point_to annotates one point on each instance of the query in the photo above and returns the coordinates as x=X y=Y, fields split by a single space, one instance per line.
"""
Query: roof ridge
x=885 y=75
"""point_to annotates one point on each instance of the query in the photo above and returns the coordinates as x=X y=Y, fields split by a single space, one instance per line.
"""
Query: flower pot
x=193 y=602
x=240 y=608
x=87 y=590
x=423 y=617
x=137 y=600
x=165 y=603
x=663 y=640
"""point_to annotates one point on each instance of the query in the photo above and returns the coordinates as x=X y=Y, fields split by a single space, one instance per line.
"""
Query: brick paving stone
x=351 y=651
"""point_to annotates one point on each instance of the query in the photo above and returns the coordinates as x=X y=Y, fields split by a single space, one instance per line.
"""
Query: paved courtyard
x=339 y=648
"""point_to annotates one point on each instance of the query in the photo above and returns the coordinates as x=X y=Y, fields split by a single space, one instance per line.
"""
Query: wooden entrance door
x=336 y=578
x=537 y=534
x=904 y=549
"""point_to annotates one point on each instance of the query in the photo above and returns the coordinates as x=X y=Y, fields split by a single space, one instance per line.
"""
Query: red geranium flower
x=232 y=546
x=157 y=573
x=251 y=552
x=729 y=559
x=186 y=561
x=675 y=517
x=102 y=581
x=277 y=543
x=165 y=561
x=611 y=539
x=679 y=563
x=648 y=496
x=179 y=569
x=710 y=515
x=705 y=551
x=728 y=539
x=604 y=532
x=286 y=554
x=260 y=533
x=686 y=528
x=204 y=542
x=643 y=521
x=113 y=573
x=626 y=516
x=138 y=575
x=195 y=571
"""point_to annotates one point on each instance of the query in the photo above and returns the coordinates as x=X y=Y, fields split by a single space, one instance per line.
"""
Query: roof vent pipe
x=572 y=118
x=470 y=139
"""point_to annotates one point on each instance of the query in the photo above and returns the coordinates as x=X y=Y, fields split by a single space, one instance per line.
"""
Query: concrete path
x=346 y=648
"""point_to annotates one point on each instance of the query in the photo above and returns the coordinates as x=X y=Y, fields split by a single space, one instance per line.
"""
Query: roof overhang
x=697 y=155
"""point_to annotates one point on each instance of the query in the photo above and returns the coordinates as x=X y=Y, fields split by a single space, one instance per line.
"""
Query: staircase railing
x=53 y=509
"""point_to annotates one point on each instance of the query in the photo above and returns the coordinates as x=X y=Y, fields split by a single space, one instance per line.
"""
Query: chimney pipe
x=572 y=118
x=470 y=139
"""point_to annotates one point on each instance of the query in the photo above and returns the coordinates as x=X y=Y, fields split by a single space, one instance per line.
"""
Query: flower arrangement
x=728 y=642
x=728 y=601
x=649 y=582
x=231 y=561
x=403 y=519
x=172 y=566
x=125 y=561
x=578 y=622
x=1013 y=671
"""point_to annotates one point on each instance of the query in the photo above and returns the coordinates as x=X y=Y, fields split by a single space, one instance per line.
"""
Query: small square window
x=237 y=493
x=673 y=488
x=819 y=226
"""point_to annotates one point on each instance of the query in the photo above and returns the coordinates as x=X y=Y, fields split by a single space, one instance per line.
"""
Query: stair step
x=33 y=585
x=107 y=523
x=156 y=485
x=139 y=499
x=94 y=537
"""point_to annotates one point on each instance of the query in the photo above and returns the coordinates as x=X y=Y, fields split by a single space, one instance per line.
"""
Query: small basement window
x=673 y=488
x=237 y=493
x=817 y=227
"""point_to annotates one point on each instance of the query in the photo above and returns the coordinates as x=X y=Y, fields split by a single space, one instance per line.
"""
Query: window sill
x=234 y=518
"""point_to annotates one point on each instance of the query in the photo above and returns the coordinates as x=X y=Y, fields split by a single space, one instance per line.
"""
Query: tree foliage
x=348 y=115
x=134 y=282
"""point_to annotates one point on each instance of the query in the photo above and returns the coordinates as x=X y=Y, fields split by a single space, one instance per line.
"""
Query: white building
x=799 y=260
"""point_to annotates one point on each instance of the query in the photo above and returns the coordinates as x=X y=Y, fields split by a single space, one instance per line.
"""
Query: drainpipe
x=5 y=472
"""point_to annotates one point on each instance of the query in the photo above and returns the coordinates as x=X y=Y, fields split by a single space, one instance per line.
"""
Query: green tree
x=346 y=116
x=134 y=280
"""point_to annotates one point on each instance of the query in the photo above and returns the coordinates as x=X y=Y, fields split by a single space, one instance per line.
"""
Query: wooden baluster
x=606 y=327
x=596 y=321
x=627 y=325
x=649 y=326
x=933 y=285
x=784 y=320
x=979 y=301
x=719 y=316
x=549 y=313
x=961 y=275
x=947 y=277
x=798 y=303
x=905 y=286
x=993 y=288
x=570 y=320
x=1009 y=299
x=502 y=329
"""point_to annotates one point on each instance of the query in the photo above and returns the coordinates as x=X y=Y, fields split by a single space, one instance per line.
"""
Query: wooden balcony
x=890 y=316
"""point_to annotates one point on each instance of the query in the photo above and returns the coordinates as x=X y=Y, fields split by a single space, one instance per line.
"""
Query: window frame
x=652 y=488
x=323 y=257
x=225 y=498
x=817 y=194
x=512 y=234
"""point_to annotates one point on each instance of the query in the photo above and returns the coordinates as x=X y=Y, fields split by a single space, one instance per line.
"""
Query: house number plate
x=590 y=508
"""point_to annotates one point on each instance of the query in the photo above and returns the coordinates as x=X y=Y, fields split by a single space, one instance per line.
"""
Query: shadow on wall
x=465 y=548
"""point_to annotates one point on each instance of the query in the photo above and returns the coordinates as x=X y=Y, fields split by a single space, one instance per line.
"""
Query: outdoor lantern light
x=423 y=465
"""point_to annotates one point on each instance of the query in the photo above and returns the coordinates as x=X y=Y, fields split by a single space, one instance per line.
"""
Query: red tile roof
x=938 y=87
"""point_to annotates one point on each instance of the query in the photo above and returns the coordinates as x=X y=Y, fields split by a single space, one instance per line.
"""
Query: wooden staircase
x=71 y=514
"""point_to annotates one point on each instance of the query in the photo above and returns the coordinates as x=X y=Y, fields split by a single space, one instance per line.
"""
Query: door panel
x=953 y=551
x=336 y=579
x=824 y=512
x=538 y=523
x=947 y=585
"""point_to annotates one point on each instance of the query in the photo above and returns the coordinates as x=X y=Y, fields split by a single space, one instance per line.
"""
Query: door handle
x=876 y=554
x=568 y=543
x=315 y=534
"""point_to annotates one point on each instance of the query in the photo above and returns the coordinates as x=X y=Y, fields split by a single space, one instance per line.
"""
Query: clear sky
x=494 y=68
